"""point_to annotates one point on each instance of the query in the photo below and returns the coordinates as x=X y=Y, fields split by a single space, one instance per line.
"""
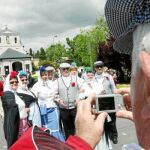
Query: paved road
x=126 y=132
x=2 y=139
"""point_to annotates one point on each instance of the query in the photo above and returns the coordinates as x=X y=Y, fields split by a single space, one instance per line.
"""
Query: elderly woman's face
x=24 y=80
x=44 y=76
x=74 y=71
x=13 y=83
x=90 y=75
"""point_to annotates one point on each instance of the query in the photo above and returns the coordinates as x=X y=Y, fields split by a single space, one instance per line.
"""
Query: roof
x=8 y=32
x=11 y=54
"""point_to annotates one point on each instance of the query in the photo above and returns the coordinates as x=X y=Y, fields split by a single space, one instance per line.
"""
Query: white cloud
x=39 y=20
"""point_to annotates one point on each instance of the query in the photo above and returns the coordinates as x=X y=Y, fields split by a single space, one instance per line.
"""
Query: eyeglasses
x=65 y=69
x=12 y=82
x=99 y=67
x=24 y=80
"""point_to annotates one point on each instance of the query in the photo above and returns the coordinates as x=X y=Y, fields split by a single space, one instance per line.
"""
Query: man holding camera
x=108 y=84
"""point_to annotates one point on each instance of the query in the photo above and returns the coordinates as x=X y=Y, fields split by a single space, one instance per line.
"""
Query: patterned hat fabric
x=122 y=17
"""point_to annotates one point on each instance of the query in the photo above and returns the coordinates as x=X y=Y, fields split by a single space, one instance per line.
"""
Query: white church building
x=12 y=53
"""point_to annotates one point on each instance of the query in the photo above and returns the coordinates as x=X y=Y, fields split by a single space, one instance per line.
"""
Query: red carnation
x=73 y=84
x=13 y=74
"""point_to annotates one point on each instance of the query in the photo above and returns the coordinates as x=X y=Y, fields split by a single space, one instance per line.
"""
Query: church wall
x=7 y=65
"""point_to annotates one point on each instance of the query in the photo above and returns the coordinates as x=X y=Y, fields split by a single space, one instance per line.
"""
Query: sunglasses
x=24 y=80
x=12 y=82
x=100 y=67
x=65 y=68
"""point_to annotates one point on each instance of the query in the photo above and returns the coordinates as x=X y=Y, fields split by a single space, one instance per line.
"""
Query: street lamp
x=55 y=36
x=89 y=50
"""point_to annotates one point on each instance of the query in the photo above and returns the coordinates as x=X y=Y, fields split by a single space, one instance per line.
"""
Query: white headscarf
x=20 y=85
x=19 y=101
x=7 y=86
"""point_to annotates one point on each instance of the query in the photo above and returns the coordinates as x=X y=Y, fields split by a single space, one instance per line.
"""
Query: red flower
x=73 y=84
x=13 y=74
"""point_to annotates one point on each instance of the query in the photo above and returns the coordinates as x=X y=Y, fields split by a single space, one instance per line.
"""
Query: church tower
x=10 y=39
x=12 y=53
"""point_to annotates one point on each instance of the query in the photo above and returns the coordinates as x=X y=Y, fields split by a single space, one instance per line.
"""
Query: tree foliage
x=55 y=52
x=84 y=48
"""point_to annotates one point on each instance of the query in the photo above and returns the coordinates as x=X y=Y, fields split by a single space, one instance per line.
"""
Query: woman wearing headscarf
x=29 y=98
x=44 y=90
x=15 y=112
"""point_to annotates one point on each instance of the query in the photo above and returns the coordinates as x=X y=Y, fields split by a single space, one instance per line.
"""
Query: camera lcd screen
x=106 y=103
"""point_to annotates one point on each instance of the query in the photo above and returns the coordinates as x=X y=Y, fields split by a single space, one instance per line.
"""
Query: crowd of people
x=58 y=105
x=51 y=102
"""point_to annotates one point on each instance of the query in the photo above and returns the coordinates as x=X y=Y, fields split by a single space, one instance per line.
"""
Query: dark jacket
x=11 y=117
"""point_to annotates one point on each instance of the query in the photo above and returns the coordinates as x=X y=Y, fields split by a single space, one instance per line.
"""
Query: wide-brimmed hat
x=122 y=17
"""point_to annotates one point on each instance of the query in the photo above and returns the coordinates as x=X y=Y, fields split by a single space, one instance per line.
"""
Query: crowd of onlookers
x=49 y=100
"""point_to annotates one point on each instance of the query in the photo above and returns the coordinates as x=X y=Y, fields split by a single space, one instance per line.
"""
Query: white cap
x=64 y=65
x=49 y=68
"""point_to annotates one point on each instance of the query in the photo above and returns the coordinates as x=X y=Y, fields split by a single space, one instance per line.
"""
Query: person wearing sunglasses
x=15 y=111
x=44 y=91
x=67 y=88
x=106 y=80
x=34 y=117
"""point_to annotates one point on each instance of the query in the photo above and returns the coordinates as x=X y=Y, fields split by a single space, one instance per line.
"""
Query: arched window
x=15 y=40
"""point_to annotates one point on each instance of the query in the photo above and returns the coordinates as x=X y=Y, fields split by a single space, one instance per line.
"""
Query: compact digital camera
x=109 y=103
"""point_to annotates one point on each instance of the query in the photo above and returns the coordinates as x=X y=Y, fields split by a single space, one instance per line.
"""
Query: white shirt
x=45 y=93
x=90 y=87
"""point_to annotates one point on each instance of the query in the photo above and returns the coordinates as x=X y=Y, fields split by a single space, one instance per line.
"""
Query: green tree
x=84 y=48
x=37 y=54
x=56 y=52
x=42 y=55
x=30 y=52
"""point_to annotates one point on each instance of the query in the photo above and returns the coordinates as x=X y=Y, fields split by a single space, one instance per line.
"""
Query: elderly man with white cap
x=67 y=87
x=129 y=23
x=50 y=70
x=106 y=81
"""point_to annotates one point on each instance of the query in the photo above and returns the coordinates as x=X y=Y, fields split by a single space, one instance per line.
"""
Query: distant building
x=12 y=54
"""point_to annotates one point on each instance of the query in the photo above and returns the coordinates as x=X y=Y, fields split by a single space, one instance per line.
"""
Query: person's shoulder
x=8 y=95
